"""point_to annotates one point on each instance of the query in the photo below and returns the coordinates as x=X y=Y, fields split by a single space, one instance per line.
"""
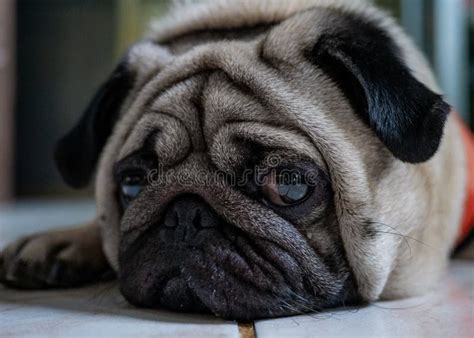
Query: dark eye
x=285 y=188
x=130 y=187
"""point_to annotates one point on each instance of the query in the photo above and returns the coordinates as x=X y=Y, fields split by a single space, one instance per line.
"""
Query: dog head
x=251 y=157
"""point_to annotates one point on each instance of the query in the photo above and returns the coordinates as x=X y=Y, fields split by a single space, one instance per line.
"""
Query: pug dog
x=258 y=159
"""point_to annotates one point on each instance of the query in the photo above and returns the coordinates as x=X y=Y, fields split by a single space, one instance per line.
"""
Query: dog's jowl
x=259 y=159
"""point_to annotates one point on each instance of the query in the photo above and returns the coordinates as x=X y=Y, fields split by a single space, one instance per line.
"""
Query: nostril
x=188 y=212
x=207 y=219
x=203 y=219
x=197 y=219
x=172 y=222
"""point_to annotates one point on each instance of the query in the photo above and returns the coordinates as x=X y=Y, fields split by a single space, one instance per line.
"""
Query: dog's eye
x=285 y=188
x=130 y=186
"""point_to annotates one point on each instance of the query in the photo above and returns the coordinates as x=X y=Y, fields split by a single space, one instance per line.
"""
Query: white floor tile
x=447 y=313
x=98 y=311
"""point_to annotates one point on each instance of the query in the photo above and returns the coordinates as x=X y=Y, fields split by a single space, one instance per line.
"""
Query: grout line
x=247 y=330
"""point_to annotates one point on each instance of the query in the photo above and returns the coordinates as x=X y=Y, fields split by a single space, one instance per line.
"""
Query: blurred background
x=55 y=53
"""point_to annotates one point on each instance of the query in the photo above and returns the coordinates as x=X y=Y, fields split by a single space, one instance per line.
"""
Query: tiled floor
x=101 y=311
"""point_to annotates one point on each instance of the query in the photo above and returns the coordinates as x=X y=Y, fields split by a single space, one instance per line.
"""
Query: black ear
x=77 y=152
x=366 y=64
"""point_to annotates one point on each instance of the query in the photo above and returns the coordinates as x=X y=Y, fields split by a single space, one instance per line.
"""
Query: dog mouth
x=233 y=277
x=194 y=261
x=211 y=279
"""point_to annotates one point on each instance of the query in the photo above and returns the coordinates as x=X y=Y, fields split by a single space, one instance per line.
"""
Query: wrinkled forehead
x=208 y=97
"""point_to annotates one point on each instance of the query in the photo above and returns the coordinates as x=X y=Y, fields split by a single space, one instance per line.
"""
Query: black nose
x=189 y=214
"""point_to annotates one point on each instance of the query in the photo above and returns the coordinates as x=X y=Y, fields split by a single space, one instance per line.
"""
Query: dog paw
x=55 y=259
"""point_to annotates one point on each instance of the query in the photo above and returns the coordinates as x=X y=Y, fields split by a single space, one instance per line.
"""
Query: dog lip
x=183 y=280
x=176 y=294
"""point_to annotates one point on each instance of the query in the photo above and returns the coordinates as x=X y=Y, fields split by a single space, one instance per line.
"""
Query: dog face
x=255 y=172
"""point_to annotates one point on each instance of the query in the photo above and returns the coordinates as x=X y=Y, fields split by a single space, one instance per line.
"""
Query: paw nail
x=54 y=274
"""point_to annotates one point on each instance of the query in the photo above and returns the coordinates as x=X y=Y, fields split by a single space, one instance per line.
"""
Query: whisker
x=400 y=235
x=405 y=236
x=300 y=305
